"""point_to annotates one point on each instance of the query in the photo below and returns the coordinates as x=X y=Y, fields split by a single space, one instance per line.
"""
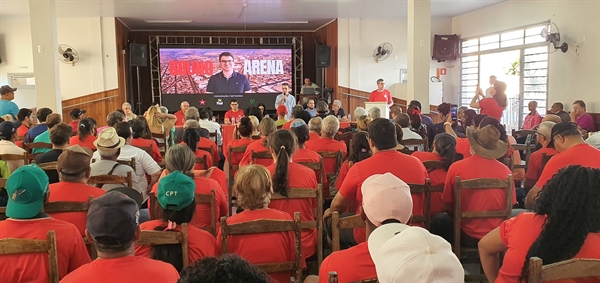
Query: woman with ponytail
x=444 y=149
x=191 y=138
x=416 y=124
x=286 y=174
x=359 y=150
x=86 y=134
x=564 y=224
x=177 y=206
x=266 y=127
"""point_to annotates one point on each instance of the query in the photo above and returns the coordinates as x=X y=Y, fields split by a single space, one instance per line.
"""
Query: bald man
x=552 y=118
x=181 y=113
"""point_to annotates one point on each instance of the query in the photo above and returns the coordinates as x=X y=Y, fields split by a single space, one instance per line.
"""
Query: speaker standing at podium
x=381 y=94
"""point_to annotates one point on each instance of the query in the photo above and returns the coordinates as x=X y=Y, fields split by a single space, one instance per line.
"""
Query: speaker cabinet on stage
x=445 y=47
x=138 y=55
x=323 y=56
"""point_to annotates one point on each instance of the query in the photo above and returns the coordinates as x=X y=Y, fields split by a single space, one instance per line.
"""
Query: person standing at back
x=76 y=116
x=286 y=99
x=493 y=106
x=381 y=94
x=7 y=106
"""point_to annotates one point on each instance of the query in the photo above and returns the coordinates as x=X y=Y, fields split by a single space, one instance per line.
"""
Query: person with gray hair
x=359 y=111
x=534 y=165
x=338 y=111
x=314 y=128
x=329 y=127
x=129 y=115
x=112 y=119
x=322 y=109
x=375 y=113
x=191 y=113
x=108 y=165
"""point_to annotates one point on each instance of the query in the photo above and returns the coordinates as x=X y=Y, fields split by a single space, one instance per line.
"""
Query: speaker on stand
x=323 y=60
x=138 y=57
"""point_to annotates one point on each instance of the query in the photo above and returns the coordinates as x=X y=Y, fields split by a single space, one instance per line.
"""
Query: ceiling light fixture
x=168 y=21
x=285 y=22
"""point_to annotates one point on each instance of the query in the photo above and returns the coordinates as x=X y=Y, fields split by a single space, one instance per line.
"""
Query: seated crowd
x=177 y=174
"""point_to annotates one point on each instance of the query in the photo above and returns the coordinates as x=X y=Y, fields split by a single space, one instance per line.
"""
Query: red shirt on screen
x=412 y=171
x=360 y=267
x=327 y=144
x=257 y=147
x=88 y=141
x=33 y=268
x=463 y=147
x=123 y=270
x=437 y=177
x=491 y=107
x=201 y=244
x=74 y=126
x=206 y=155
x=520 y=232
x=156 y=155
x=265 y=247
x=67 y=191
x=300 y=176
x=581 y=154
x=381 y=96
x=534 y=166
x=208 y=143
x=234 y=117
x=180 y=118
x=478 y=200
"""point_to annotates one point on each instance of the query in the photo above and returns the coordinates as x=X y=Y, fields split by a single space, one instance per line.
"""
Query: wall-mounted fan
x=552 y=36
x=382 y=51
x=68 y=55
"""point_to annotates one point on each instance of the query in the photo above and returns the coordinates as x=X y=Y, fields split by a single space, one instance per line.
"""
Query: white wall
x=571 y=76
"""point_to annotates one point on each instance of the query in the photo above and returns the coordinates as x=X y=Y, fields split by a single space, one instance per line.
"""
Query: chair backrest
x=569 y=269
x=261 y=155
x=338 y=223
x=406 y=151
x=211 y=200
x=509 y=161
x=415 y=144
x=522 y=133
x=15 y=157
x=48 y=166
x=202 y=160
x=2 y=183
x=479 y=184
x=130 y=162
x=232 y=169
x=301 y=193
x=255 y=137
x=154 y=238
x=161 y=139
x=261 y=226
x=207 y=149
x=30 y=146
x=527 y=148
x=338 y=156
x=545 y=159
x=147 y=149
x=318 y=167
x=101 y=180
x=68 y=206
x=432 y=165
x=423 y=189
x=12 y=246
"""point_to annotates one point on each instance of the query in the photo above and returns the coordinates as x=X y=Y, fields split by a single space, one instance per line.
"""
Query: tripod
x=139 y=107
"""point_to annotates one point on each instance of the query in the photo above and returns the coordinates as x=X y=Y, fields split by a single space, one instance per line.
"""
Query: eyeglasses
x=226 y=61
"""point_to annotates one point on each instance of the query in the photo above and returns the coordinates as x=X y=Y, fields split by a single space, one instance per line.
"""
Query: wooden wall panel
x=97 y=105
x=122 y=36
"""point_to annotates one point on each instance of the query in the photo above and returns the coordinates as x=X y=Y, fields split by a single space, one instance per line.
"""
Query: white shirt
x=212 y=127
x=102 y=167
x=8 y=147
x=407 y=134
x=290 y=102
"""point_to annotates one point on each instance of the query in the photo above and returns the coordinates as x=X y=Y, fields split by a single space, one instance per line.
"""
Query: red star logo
x=202 y=102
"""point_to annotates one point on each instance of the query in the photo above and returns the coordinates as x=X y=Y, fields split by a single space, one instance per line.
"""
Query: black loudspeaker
x=445 y=47
x=323 y=56
x=138 y=55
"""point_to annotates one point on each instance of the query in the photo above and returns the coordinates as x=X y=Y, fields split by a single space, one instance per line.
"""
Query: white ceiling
x=231 y=15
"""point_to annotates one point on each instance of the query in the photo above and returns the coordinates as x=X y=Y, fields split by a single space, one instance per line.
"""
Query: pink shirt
x=532 y=121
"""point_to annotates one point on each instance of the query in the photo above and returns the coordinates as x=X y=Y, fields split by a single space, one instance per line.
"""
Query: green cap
x=26 y=188
x=176 y=191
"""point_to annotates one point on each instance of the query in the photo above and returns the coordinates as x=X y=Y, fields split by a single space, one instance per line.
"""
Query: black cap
x=7 y=89
x=76 y=112
x=7 y=129
x=561 y=129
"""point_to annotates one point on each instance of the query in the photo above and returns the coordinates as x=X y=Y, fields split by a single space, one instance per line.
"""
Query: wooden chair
x=261 y=226
x=110 y=179
x=161 y=139
x=545 y=159
x=207 y=149
x=12 y=246
x=528 y=148
x=522 y=133
x=232 y=169
x=432 y=165
x=423 y=189
x=509 y=162
x=338 y=156
x=211 y=200
x=332 y=277
x=260 y=155
x=318 y=167
x=406 y=151
x=472 y=254
x=72 y=206
x=3 y=183
x=130 y=162
x=202 y=160
x=147 y=149
x=575 y=268
x=30 y=146
x=155 y=238
x=415 y=144
x=256 y=138
x=301 y=193
x=15 y=157
x=214 y=137
x=338 y=223
x=48 y=166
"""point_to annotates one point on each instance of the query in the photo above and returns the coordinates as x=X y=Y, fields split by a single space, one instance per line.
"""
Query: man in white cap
x=108 y=165
x=386 y=201
x=411 y=254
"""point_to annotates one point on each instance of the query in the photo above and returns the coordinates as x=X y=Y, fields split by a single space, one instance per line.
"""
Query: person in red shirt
x=191 y=138
x=181 y=113
x=314 y=128
x=302 y=154
x=286 y=174
x=382 y=140
x=86 y=135
x=444 y=149
x=139 y=128
x=76 y=115
x=245 y=130
x=381 y=94
x=297 y=113
x=493 y=106
x=26 y=119
x=387 y=202
x=462 y=144
x=554 y=231
x=533 y=119
x=572 y=150
x=26 y=220
x=73 y=172
x=175 y=195
x=266 y=127
x=253 y=188
x=360 y=150
x=234 y=115
x=486 y=148
x=215 y=174
x=534 y=165
x=113 y=227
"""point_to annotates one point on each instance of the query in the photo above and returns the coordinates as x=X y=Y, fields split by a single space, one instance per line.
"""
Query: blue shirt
x=312 y=113
x=289 y=103
x=34 y=132
x=237 y=83
x=8 y=107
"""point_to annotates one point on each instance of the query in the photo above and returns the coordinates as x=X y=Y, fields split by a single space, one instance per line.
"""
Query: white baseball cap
x=385 y=197
x=403 y=253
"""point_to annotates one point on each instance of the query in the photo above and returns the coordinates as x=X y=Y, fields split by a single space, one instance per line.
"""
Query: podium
x=385 y=110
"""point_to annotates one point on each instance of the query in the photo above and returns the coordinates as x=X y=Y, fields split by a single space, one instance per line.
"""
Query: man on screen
x=227 y=81
x=235 y=114
x=286 y=99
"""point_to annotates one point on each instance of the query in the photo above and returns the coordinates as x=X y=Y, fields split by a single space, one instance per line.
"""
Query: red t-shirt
x=300 y=176
x=463 y=147
x=236 y=157
x=305 y=155
x=478 y=200
x=88 y=141
x=156 y=155
x=313 y=137
x=437 y=177
x=288 y=125
x=22 y=130
x=208 y=143
x=342 y=174
x=180 y=118
x=581 y=154
x=326 y=144
x=412 y=171
x=257 y=147
x=265 y=247
x=234 y=117
x=491 y=107
x=217 y=175
x=353 y=264
x=201 y=244
x=201 y=218
x=33 y=268
x=67 y=191
x=206 y=155
x=75 y=126
x=520 y=232
x=124 y=270
x=534 y=166
x=381 y=96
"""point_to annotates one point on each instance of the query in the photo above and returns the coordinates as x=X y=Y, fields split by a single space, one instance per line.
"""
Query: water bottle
x=349 y=117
